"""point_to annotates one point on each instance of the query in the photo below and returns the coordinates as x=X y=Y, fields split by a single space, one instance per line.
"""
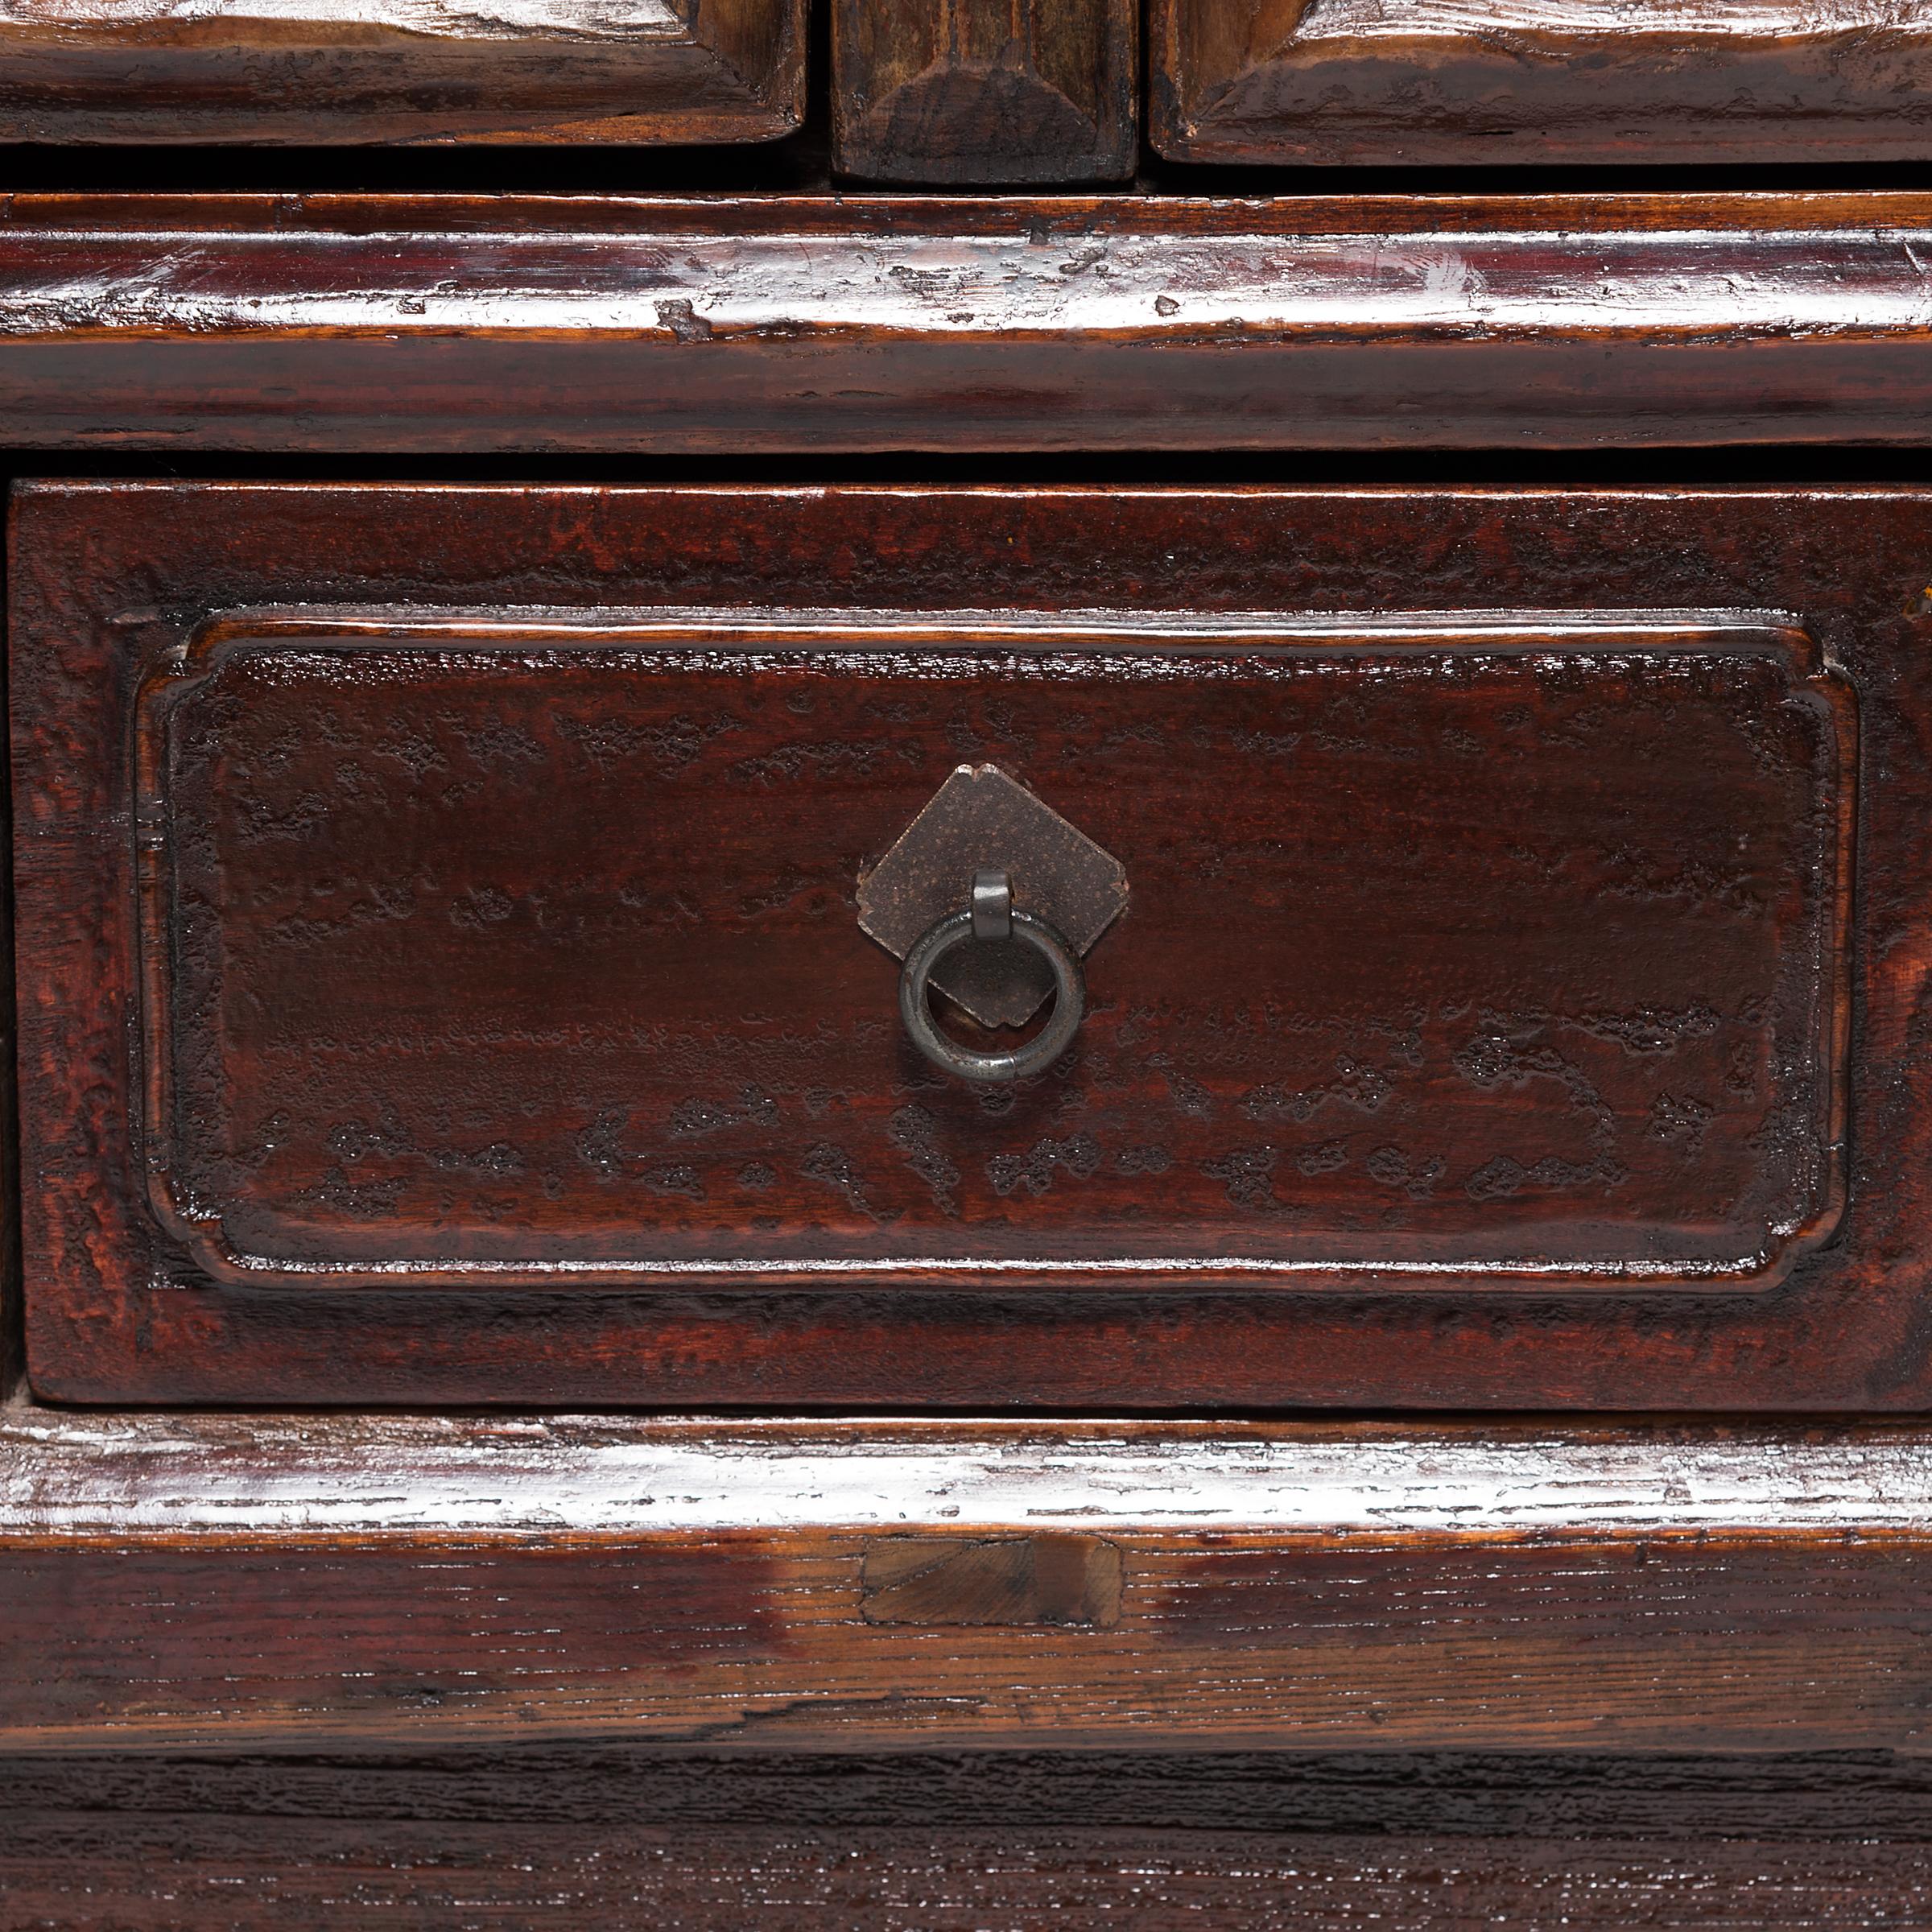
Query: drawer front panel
x=396 y=71
x=1504 y=949
x=1448 y=83
x=442 y=977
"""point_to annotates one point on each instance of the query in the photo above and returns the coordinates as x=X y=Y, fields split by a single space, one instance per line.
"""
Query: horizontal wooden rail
x=227 y=1581
x=368 y=323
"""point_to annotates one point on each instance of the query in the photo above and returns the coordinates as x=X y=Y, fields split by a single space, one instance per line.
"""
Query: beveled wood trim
x=173 y=677
x=403 y=72
x=1447 y=83
x=775 y=324
x=215 y=1582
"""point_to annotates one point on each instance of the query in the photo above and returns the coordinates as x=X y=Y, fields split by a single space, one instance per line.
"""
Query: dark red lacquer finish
x=449 y=324
x=528 y=956
x=442 y=981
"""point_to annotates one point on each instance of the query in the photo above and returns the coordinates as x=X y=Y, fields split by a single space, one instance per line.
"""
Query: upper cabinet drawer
x=573 y=945
x=305 y=72
x=1461 y=82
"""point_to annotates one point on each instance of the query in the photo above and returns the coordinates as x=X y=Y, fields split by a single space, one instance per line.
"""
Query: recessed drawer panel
x=1451 y=82
x=526 y=952
x=299 y=71
x=1487 y=962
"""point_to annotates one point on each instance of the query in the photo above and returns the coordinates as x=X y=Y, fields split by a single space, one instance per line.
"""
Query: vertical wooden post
x=974 y=93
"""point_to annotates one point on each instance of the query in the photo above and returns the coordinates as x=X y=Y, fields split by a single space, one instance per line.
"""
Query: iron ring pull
x=989 y=914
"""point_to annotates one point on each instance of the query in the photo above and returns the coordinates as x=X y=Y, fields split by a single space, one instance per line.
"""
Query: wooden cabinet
x=1444 y=84
x=1104 y=1007
x=443 y=976
x=401 y=71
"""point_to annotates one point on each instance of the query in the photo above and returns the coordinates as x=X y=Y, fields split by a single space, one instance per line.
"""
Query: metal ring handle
x=992 y=1069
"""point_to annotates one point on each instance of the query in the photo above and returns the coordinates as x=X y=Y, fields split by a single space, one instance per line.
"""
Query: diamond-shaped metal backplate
x=980 y=819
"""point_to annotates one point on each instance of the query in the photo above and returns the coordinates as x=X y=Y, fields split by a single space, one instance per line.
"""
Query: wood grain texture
x=1660 y=1799
x=1447 y=83
x=636 y=1032
x=380 y=323
x=1005 y=1839
x=85 y=1875
x=234 y=1583
x=316 y=72
x=965 y=93
x=108 y=578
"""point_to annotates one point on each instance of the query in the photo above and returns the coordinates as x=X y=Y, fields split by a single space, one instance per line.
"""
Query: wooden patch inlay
x=1030 y=1579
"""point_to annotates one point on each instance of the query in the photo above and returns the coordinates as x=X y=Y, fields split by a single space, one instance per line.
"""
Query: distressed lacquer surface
x=447 y=323
x=332 y=71
x=1445 y=82
x=535 y=957
x=120 y=1479
x=236 y=1584
x=108 y=580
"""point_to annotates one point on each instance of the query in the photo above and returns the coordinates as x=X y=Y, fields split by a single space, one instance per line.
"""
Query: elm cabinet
x=943 y=998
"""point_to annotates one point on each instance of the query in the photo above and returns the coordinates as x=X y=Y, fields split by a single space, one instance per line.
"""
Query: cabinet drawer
x=1445 y=83
x=446 y=973
x=401 y=71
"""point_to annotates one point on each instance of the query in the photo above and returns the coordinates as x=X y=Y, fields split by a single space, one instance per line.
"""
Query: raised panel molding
x=365 y=1020
x=1461 y=82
